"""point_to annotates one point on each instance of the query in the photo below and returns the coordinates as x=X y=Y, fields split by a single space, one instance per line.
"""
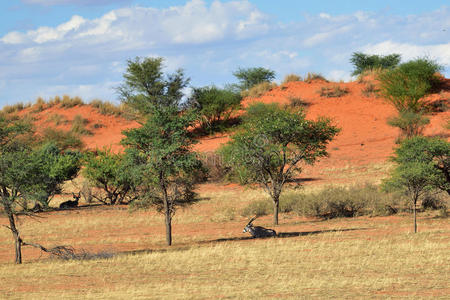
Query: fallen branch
x=65 y=252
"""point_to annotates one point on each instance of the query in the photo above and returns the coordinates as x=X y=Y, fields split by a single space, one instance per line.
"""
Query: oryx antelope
x=258 y=231
x=71 y=204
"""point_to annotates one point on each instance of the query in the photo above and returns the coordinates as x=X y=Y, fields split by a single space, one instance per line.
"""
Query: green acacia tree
x=405 y=87
x=214 y=105
x=27 y=173
x=423 y=165
x=114 y=173
x=363 y=62
x=271 y=146
x=163 y=146
x=250 y=77
x=146 y=86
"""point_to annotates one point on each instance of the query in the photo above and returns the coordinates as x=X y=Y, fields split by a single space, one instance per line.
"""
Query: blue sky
x=80 y=47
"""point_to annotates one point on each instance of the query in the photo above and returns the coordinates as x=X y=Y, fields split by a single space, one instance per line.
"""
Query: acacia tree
x=114 y=173
x=272 y=144
x=214 y=104
x=27 y=174
x=252 y=76
x=405 y=88
x=146 y=86
x=363 y=62
x=163 y=147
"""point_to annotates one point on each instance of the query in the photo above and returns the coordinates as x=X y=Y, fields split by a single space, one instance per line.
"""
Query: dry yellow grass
x=327 y=265
x=341 y=258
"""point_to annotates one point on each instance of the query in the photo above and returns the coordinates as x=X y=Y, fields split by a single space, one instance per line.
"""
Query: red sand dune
x=365 y=137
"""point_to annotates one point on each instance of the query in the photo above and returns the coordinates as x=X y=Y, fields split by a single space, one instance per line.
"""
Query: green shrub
x=410 y=123
x=251 y=77
x=363 y=62
x=258 y=208
x=63 y=139
x=333 y=92
x=291 y=78
x=405 y=86
x=79 y=125
x=259 y=89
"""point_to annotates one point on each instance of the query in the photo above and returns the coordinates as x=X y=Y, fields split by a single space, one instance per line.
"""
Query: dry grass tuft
x=333 y=92
x=259 y=89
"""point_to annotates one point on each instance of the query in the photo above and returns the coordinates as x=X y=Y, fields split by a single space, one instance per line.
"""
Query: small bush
x=433 y=202
x=297 y=102
x=410 y=123
x=333 y=92
x=214 y=164
x=64 y=140
x=259 y=89
x=363 y=62
x=79 y=125
x=57 y=119
x=370 y=90
x=68 y=102
x=291 y=78
x=310 y=77
x=258 y=208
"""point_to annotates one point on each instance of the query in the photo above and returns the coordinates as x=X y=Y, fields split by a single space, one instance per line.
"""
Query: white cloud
x=440 y=52
x=87 y=56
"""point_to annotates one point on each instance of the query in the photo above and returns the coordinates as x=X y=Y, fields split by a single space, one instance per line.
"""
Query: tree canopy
x=271 y=145
x=363 y=62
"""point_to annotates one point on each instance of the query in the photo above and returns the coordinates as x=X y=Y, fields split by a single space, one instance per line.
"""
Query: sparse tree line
x=159 y=168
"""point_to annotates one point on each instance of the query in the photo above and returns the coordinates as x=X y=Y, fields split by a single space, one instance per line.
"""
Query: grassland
x=211 y=257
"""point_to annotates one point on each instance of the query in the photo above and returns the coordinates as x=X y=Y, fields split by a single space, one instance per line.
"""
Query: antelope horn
x=251 y=220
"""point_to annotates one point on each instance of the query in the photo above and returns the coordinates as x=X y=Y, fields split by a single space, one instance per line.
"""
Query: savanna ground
x=211 y=258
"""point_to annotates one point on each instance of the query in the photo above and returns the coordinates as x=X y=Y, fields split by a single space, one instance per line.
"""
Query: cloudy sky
x=80 y=47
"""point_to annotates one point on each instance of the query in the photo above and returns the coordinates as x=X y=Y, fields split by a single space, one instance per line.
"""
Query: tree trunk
x=168 y=225
x=415 y=219
x=276 y=205
x=15 y=233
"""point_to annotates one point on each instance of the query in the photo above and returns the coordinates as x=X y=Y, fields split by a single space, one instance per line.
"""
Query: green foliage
x=410 y=123
x=250 y=77
x=259 y=89
x=115 y=174
x=272 y=143
x=424 y=162
x=146 y=86
x=214 y=105
x=333 y=92
x=363 y=62
x=163 y=147
x=406 y=85
x=55 y=167
x=62 y=139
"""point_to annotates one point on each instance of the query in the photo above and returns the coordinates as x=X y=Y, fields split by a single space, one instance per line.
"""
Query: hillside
x=365 y=141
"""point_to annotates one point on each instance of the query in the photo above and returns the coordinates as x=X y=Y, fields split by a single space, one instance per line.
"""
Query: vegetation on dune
x=272 y=144
x=251 y=77
x=291 y=78
x=146 y=87
x=214 y=105
x=365 y=62
x=310 y=77
x=333 y=92
x=405 y=88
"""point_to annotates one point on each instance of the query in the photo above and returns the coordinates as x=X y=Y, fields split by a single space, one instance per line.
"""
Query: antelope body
x=258 y=231
x=71 y=204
